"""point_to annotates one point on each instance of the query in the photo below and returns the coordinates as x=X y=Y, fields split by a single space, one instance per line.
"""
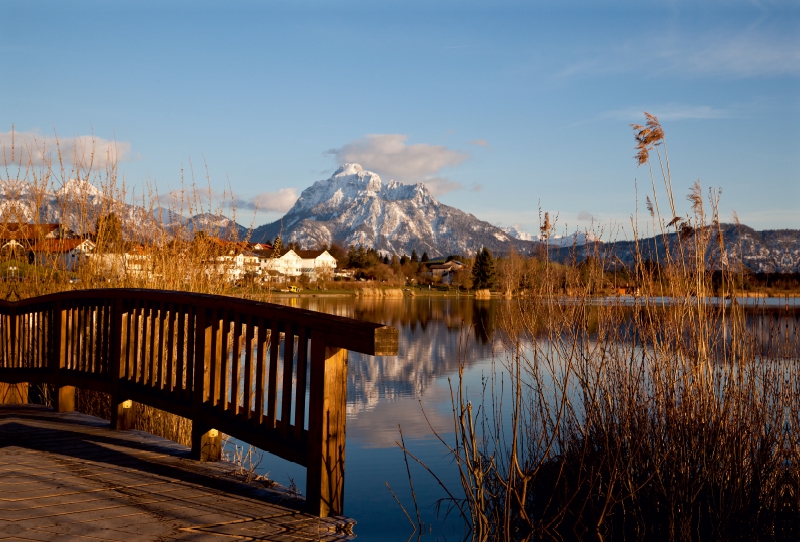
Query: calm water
x=387 y=392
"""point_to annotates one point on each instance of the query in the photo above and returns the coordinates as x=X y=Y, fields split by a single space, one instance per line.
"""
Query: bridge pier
x=206 y=443
x=64 y=399
x=122 y=416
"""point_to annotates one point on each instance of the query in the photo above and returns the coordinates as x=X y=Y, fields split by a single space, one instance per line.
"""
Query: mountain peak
x=354 y=206
x=348 y=169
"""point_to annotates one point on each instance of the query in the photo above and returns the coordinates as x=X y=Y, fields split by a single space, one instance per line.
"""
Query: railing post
x=327 y=410
x=206 y=441
x=122 y=412
x=64 y=398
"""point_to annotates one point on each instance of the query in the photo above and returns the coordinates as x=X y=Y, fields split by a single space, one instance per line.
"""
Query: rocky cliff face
x=355 y=207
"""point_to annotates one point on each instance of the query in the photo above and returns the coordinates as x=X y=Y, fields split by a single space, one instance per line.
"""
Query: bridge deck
x=68 y=477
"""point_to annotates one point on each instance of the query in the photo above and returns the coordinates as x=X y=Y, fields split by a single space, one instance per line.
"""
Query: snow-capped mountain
x=356 y=207
x=513 y=231
x=575 y=240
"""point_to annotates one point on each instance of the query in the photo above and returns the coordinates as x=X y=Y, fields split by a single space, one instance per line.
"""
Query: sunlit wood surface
x=66 y=476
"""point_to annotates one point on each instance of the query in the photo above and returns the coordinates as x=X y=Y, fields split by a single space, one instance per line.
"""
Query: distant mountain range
x=766 y=251
x=355 y=207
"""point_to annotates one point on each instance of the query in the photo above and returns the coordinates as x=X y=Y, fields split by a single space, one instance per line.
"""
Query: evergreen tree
x=403 y=259
x=414 y=257
x=386 y=260
x=483 y=272
x=424 y=257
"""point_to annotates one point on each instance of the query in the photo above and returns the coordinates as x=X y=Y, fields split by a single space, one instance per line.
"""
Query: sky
x=503 y=108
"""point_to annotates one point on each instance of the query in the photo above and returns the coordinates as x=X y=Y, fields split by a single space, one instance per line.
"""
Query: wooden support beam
x=206 y=443
x=327 y=413
x=64 y=399
x=123 y=416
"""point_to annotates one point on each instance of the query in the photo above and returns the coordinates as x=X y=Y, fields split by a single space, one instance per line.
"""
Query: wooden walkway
x=67 y=476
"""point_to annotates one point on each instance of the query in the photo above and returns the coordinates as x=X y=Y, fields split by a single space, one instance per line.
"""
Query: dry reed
x=671 y=418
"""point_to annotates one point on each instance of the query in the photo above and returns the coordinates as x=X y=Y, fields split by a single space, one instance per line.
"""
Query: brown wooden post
x=122 y=411
x=327 y=412
x=206 y=441
x=64 y=397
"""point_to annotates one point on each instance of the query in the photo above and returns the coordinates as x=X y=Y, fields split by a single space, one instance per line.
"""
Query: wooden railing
x=272 y=376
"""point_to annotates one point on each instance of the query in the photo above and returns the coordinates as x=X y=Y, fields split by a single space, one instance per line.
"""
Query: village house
x=444 y=271
x=235 y=260
x=66 y=254
x=20 y=237
x=317 y=264
x=278 y=266
x=289 y=263
x=133 y=261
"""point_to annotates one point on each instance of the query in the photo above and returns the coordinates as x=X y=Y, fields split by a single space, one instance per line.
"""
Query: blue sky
x=501 y=107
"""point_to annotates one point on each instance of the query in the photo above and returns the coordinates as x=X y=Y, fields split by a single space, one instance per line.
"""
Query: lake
x=385 y=393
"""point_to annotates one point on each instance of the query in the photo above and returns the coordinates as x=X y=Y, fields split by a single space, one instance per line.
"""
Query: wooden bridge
x=272 y=376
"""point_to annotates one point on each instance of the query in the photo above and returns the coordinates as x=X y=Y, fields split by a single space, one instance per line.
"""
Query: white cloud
x=34 y=149
x=585 y=216
x=438 y=185
x=391 y=157
x=280 y=201
x=479 y=143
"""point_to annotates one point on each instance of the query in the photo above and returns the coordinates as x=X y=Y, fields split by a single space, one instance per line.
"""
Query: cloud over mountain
x=33 y=148
x=392 y=157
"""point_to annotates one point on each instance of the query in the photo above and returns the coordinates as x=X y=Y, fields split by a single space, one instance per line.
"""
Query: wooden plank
x=272 y=383
x=137 y=341
x=193 y=329
x=224 y=360
x=159 y=357
x=261 y=369
x=170 y=354
x=213 y=361
x=248 y=367
x=151 y=343
x=288 y=373
x=235 y=365
x=181 y=344
x=300 y=388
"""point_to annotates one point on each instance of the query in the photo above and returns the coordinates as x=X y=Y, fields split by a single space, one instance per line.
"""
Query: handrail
x=272 y=376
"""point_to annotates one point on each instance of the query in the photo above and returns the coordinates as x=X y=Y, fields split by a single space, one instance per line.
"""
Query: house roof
x=15 y=230
x=59 y=246
x=310 y=254
x=449 y=265
x=271 y=253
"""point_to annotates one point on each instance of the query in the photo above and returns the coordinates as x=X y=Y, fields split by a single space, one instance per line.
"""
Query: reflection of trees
x=431 y=332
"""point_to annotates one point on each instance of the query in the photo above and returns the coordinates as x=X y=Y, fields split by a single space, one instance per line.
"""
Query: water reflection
x=432 y=333
x=386 y=391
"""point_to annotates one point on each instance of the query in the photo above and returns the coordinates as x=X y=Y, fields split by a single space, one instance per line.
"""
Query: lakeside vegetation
x=658 y=421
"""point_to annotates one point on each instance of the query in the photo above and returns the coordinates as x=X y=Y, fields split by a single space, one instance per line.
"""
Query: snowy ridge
x=357 y=207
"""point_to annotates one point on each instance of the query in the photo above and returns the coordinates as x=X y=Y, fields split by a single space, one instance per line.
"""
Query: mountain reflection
x=434 y=332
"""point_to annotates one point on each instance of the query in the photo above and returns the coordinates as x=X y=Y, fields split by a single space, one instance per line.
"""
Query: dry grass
x=673 y=421
x=81 y=190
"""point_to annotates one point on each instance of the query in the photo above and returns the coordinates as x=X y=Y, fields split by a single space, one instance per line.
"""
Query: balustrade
x=272 y=376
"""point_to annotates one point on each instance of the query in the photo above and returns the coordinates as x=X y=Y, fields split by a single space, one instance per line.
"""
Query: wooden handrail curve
x=272 y=376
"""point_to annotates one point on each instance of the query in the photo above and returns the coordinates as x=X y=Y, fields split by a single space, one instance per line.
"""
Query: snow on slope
x=355 y=206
